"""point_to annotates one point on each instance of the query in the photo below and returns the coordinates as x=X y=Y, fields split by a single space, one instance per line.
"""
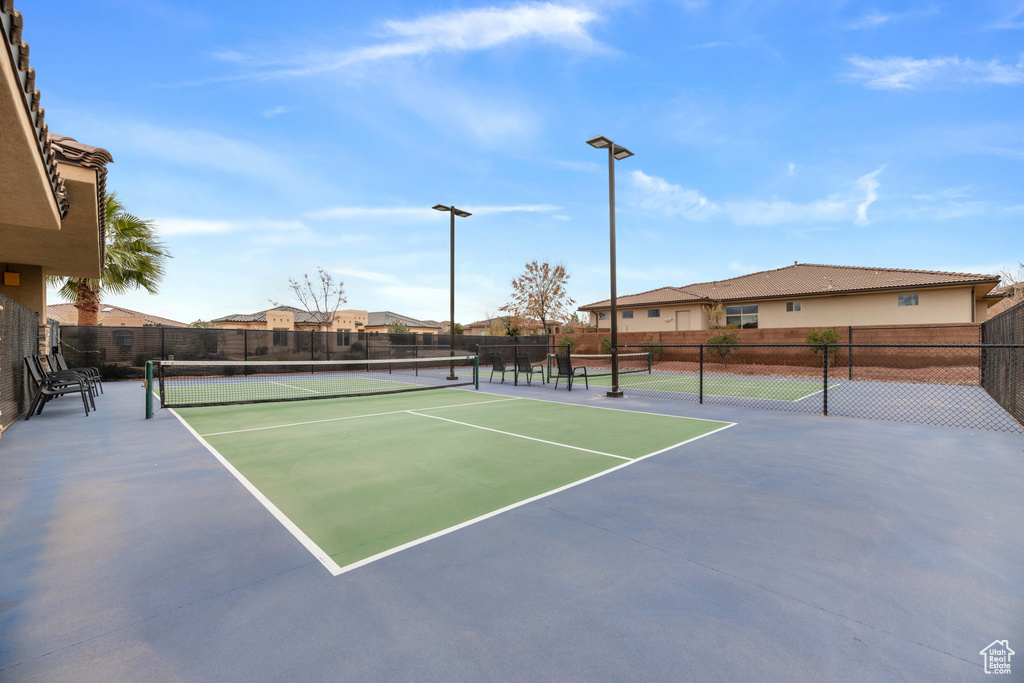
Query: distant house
x=809 y=295
x=291 y=318
x=482 y=328
x=379 y=321
x=110 y=316
x=287 y=318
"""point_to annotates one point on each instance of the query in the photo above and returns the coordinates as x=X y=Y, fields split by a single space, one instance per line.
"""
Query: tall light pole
x=451 y=319
x=615 y=152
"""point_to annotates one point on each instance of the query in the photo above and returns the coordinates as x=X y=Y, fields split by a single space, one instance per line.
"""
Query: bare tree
x=320 y=299
x=713 y=313
x=1015 y=283
x=540 y=292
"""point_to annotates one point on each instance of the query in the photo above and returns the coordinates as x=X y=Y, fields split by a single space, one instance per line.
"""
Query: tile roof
x=803 y=279
x=62 y=312
x=71 y=151
x=384 y=318
x=11 y=25
x=302 y=316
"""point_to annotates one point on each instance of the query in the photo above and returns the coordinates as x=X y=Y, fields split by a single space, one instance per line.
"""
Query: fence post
x=515 y=366
x=163 y=350
x=149 y=389
x=701 y=373
x=849 y=349
x=825 y=390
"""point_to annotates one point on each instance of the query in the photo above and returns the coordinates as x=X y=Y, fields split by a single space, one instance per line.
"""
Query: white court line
x=520 y=436
x=293 y=387
x=621 y=410
x=337 y=570
x=463 y=525
x=355 y=417
x=819 y=391
x=288 y=524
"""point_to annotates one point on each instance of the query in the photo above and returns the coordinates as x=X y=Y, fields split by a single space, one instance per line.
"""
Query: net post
x=825 y=384
x=700 y=380
x=149 y=389
x=515 y=361
x=160 y=375
x=849 y=349
x=650 y=355
x=476 y=371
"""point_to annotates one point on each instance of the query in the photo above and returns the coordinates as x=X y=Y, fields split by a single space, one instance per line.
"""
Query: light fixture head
x=460 y=213
x=600 y=142
x=440 y=207
x=621 y=153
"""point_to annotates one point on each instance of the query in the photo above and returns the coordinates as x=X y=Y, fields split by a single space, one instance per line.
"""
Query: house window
x=744 y=316
x=602 y=316
x=627 y=315
x=280 y=337
x=908 y=299
x=653 y=312
x=792 y=307
x=124 y=338
x=344 y=337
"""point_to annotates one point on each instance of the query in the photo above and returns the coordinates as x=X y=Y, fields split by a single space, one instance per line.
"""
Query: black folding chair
x=56 y=377
x=498 y=365
x=57 y=362
x=525 y=367
x=568 y=372
x=47 y=389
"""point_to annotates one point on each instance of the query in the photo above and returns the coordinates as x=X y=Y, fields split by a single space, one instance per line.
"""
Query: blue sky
x=267 y=139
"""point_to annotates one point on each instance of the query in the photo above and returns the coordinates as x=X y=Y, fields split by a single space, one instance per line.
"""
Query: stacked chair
x=58 y=380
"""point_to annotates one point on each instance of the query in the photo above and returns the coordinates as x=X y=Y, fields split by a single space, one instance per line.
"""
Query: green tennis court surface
x=360 y=478
x=778 y=389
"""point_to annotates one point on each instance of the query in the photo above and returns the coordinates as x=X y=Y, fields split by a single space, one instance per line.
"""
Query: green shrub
x=606 y=344
x=357 y=347
x=571 y=342
x=139 y=359
x=654 y=349
x=820 y=337
x=114 y=371
x=722 y=344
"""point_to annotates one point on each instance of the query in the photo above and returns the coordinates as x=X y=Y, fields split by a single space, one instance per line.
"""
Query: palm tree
x=135 y=259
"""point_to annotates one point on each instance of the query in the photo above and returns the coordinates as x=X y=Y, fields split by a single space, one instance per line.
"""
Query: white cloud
x=467 y=30
x=875 y=18
x=416 y=214
x=202 y=226
x=869 y=183
x=907 y=73
x=276 y=111
x=775 y=212
x=791 y=168
x=202 y=148
x=657 y=194
x=386 y=278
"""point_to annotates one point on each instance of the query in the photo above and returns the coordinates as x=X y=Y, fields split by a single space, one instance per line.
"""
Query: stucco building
x=288 y=318
x=808 y=295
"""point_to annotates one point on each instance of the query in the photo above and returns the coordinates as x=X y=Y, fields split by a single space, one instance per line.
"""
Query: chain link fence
x=19 y=337
x=938 y=384
x=122 y=352
x=1002 y=367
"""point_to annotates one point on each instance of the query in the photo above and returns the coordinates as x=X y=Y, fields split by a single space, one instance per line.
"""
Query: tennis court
x=770 y=388
x=358 y=479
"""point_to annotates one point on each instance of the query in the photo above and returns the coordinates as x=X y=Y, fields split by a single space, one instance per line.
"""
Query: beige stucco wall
x=935 y=305
x=31 y=292
x=26 y=196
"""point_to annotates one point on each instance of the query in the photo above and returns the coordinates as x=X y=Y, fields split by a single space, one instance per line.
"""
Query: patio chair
x=498 y=365
x=525 y=367
x=57 y=363
x=567 y=371
x=47 y=389
x=57 y=377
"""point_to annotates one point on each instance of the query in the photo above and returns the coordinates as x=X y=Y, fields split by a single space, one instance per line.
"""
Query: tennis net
x=600 y=364
x=209 y=383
